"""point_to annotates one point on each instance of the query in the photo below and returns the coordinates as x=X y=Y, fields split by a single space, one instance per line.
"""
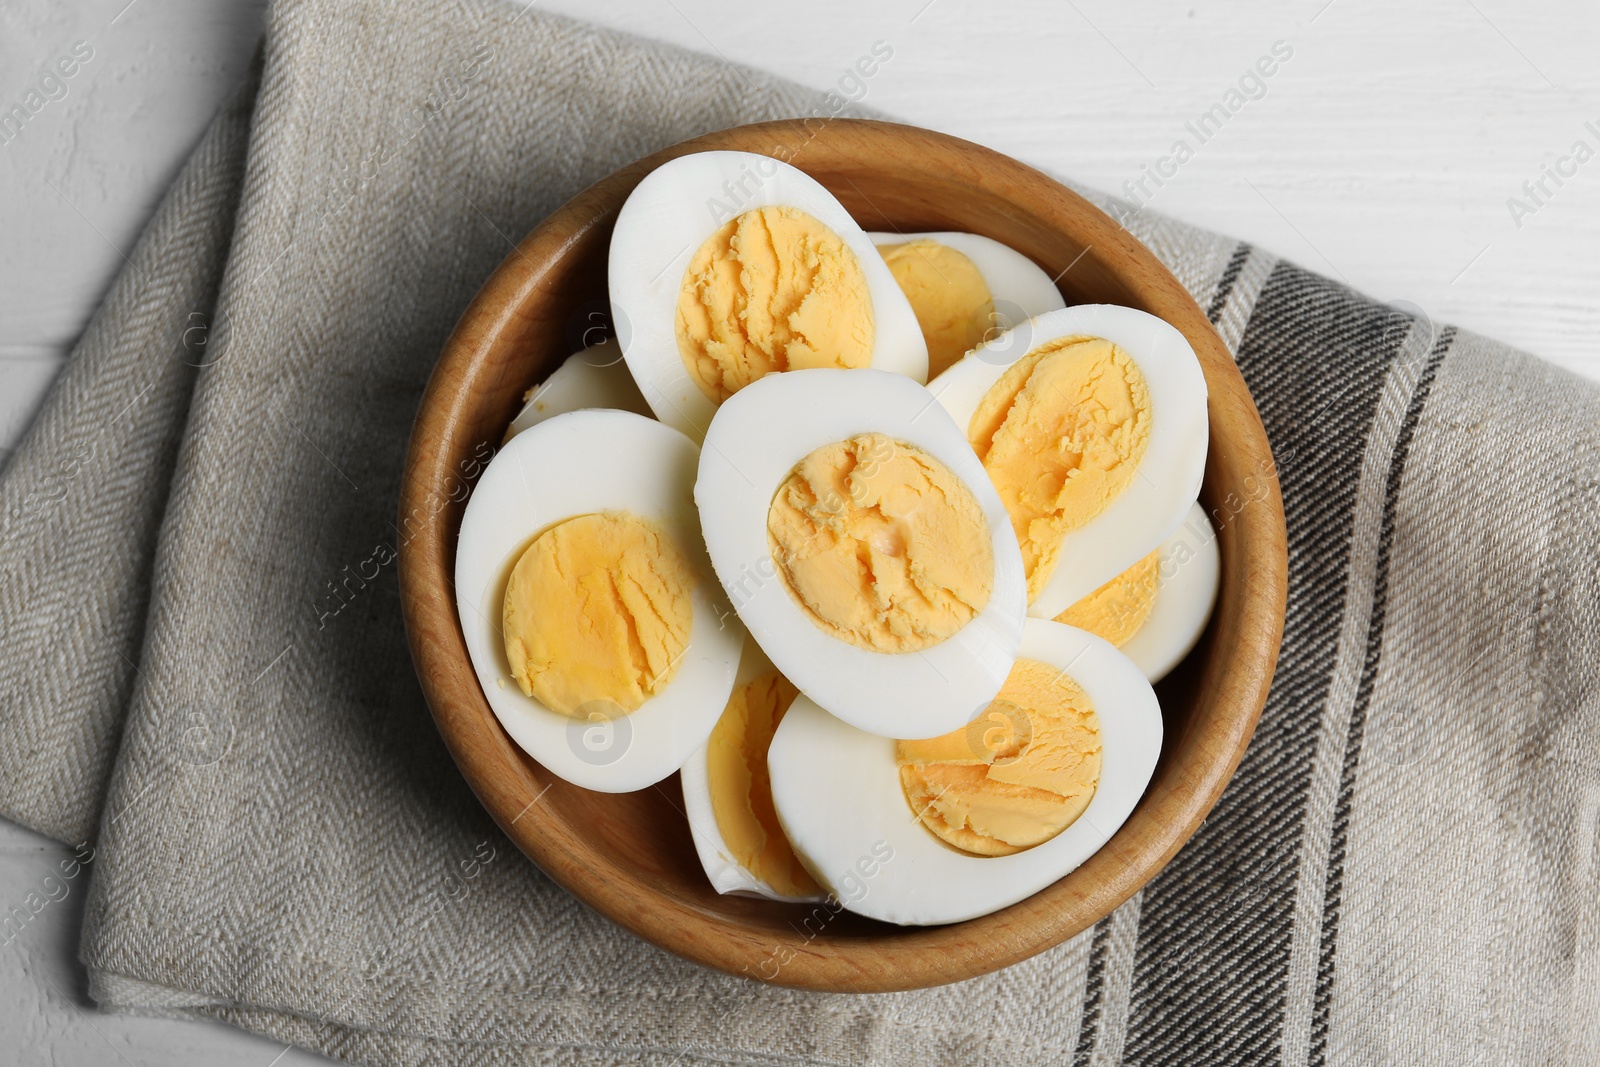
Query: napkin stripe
x=1230 y=275
x=1233 y=314
x=1121 y=942
x=1093 y=992
x=1358 y=718
x=1226 y=902
x=1103 y=1030
x=1371 y=469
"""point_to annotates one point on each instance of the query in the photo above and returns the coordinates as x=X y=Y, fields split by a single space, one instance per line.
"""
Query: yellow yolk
x=1014 y=777
x=948 y=295
x=741 y=790
x=772 y=290
x=597 y=614
x=1119 y=608
x=1061 y=435
x=881 y=545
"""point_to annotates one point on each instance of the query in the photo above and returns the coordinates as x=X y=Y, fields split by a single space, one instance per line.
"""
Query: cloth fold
x=204 y=669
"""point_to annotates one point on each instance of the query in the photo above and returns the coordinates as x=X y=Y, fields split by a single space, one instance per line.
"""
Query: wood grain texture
x=629 y=856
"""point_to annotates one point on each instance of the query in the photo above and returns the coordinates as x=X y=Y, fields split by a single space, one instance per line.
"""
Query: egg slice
x=589 y=609
x=856 y=535
x=597 y=377
x=726 y=266
x=728 y=799
x=1091 y=423
x=964 y=288
x=1156 y=610
x=1189 y=573
x=839 y=794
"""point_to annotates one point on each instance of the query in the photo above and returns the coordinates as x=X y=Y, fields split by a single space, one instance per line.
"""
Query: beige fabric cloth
x=283 y=842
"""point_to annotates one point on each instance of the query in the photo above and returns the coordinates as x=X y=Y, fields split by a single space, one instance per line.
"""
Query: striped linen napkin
x=203 y=671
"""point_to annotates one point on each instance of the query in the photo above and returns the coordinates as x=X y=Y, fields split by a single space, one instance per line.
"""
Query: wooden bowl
x=630 y=856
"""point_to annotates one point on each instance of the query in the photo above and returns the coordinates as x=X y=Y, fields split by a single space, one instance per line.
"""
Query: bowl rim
x=504 y=779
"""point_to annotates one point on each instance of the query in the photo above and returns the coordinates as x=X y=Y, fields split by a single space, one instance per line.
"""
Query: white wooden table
x=1383 y=151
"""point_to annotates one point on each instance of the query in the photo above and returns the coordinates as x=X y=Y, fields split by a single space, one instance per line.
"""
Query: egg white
x=576 y=464
x=838 y=796
x=666 y=219
x=725 y=872
x=1019 y=288
x=596 y=377
x=1168 y=478
x=756 y=440
x=1190 y=573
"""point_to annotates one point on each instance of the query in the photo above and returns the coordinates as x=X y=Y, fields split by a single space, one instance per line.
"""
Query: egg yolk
x=1016 y=776
x=948 y=295
x=1061 y=435
x=881 y=545
x=772 y=290
x=1119 y=608
x=597 y=614
x=741 y=789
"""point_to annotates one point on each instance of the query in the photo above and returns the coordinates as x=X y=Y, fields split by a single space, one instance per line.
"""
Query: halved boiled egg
x=597 y=377
x=1156 y=610
x=727 y=266
x=862 y=545
x=1091 y=424
x=939 y=831
x=728 y=797
x=589 y=608
x=964 y=289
